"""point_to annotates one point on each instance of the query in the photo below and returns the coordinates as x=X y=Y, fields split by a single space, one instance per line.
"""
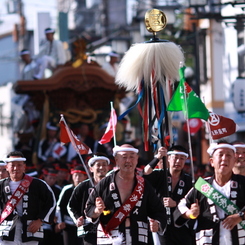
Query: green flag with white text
x=196 y=109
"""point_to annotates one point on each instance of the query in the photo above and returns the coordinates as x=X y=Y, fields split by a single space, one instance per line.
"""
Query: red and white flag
x=111 y=128
x=195 y=124
x=66 y=136
x=221 y=126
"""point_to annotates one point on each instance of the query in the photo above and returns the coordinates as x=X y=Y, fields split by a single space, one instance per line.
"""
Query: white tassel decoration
x=141 y=59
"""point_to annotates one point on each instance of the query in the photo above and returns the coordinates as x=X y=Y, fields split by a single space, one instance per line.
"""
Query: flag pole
x=113 y=126
x=188 y=131
x=210 y=139
x=76 y=149
x=190 y=148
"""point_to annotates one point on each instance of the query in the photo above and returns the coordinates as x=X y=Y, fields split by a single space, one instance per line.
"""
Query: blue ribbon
x=137 y=102
x=163 y=109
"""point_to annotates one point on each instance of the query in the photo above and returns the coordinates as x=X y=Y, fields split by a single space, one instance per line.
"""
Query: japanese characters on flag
x=221 y=126
x=111 y=128
x=66 y=136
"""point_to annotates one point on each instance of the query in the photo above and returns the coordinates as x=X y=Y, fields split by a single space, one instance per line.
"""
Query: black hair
x=79 y=167
x=178 y=148
x=15 y=154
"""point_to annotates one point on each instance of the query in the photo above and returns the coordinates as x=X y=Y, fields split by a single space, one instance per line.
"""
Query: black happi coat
x=208 y=222
x=63 y=202
x=79 y=198
x=38 y=203
x=157 y=179
x=77 y=204
x=148 y=205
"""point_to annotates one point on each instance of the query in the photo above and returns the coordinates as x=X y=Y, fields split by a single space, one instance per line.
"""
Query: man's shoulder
x=239 y=178
x=187 y=176
x=39 y=182
x=57 y=42
x=67 y=187
x=155 y=174
x=3 y=181
x=84 y=185
x=106 y=180
x=158 y=170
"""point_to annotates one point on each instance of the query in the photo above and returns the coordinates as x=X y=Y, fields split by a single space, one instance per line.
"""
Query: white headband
x=25 y=52
x=239 y=145
x=12 y=159
x=49 y=31
x=117 y=149
x=215 y=146
x=2 y=163
x=92 y=160
x=32 y=174
x=177 y=153
x=50 y=127
x=112 y=54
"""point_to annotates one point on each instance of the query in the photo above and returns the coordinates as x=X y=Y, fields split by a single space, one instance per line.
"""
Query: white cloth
x=13 y=186
x=54 y=50
x=225 y=235
x=44 y=62
x=155 y=238
x=17 y=238
x=30 y=70
x=116 y=238
x=37 y=68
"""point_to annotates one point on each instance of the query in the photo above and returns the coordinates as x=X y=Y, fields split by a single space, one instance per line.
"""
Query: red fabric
x=220 y=126
x=155 y=95
x=127 y=206
x=195 y=124
x=66 y=136
x=78 y=171
x=111 y=128
x=16 y=197
x=58 y=150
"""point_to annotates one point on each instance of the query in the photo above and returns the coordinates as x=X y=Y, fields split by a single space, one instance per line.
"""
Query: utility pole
x=240 y=41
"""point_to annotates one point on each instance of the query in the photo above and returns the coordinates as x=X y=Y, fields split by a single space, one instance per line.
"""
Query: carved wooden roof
x=87 y=86
x=81 y=79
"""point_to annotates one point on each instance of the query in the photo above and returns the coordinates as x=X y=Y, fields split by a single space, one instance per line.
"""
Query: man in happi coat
x=214 y=223
x=98 y=166
x=25 y=202
x=66 y=223
x=125 y=204
x=178 y=184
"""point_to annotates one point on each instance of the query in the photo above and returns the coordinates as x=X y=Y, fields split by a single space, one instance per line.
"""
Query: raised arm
x=162 y=151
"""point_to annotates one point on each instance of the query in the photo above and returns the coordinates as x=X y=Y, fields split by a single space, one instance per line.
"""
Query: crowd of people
x=110 y=197
x=91 y=203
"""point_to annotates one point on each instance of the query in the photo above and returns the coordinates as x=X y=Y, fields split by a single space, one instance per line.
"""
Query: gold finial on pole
x=155 y=20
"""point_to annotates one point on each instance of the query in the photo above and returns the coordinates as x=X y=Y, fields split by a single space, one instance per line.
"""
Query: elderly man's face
x=223 y=160
x=126 y=160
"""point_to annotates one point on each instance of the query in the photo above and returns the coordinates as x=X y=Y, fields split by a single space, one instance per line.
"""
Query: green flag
x=196 y=109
